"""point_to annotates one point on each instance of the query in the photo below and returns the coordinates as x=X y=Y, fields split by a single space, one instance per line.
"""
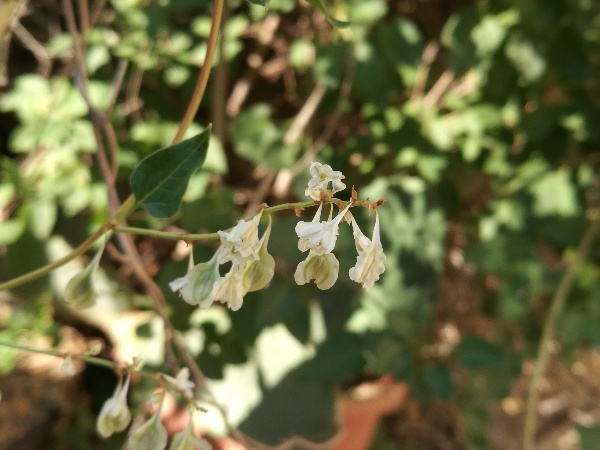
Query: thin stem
x=168 y=235
x=211 y=45
x=194 y=104
x=556 y=307
x=89 y=359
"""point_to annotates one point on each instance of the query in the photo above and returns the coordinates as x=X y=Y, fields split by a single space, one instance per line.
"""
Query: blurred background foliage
x=477 y=122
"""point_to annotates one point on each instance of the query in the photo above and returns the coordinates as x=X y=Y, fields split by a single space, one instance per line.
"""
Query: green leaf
x=10 y=231
x=589 y=437
x=335 y=22
x=160 y=181
x=554 y=193
x=41 y=217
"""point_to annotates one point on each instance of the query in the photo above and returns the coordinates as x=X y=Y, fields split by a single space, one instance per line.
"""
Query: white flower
x=256 y=274
x=319 y=237
x=187 y=440
x=150 y=436
x=239 y=243
x=322 y=175
x=370 y=263
x=182 y=382
x=114 y=415
x=321 y=268
x=197 y=285
x=230 y=289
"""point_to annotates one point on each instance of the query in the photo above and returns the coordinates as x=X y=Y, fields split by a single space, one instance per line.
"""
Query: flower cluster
x=252 y=268
x=114 y=415
x=151 y=435
x=319 y=238
x=321 y=176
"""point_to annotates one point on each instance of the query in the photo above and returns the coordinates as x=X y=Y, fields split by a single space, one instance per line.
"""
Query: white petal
x=323 y=269
x=370 y=263
x=230 y=289
x=177 y=284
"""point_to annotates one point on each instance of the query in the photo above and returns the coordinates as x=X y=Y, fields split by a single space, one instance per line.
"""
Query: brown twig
x=305 y=114
x=439 y=88
x=429 y=53
x=556 y=306
x=38 y=50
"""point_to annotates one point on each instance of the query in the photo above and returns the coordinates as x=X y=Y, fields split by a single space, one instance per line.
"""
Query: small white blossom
x=370 y=263
x=256 y=274
x=114 y=415
x=80 y=292
x=230 y=289
x=182 y=382
x=197 y=285
x=239 y=243
x=323 y=269
x=319 y=237
x=322 y=175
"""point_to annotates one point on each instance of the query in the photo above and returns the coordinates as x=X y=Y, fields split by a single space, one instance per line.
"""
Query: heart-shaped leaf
x=160 y=180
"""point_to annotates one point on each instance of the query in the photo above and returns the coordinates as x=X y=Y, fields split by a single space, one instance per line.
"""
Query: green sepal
x=159 y=181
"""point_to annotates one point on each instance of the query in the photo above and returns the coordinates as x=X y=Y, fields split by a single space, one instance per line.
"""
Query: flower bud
x=187 y=440
x=114 y=415
x=150 y=436
x=80 y=292
x=258 y=273
x=196 y=286
x=370 y=263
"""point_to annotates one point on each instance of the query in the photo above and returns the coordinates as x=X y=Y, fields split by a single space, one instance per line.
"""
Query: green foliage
x=159 y=181
x=485 y=154
x=588 y=437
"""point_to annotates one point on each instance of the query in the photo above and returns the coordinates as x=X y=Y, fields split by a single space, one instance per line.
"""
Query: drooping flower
x=187 y=440
x=152 y=435
x=323 y=269
x=182 y=382
x=80 y=292
x=322 y=175
x=256 y=274
x=230 y=289
x=370 y=263
x=239 y=243
x=319 y=237
x=114 y=415
x=196 y=286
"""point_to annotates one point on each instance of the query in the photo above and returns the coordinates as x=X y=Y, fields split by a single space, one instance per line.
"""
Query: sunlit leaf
x=160 y=181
